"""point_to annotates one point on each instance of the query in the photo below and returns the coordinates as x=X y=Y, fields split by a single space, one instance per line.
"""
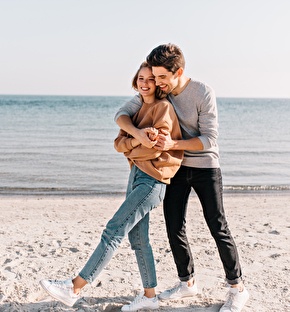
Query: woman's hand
x=144 y=135
x=152 y=133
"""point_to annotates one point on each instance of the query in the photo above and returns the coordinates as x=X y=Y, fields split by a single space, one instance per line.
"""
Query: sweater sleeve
x=122 y=143
x=162 y=116
x=208 y=125
x=130 y=108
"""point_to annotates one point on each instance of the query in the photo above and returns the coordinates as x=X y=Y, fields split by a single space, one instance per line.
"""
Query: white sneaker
x=61 y=290
x=235 y=300
x=141 y=302
x=180 y=290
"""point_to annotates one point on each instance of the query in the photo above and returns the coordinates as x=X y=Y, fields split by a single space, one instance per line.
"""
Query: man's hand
x=164 y=141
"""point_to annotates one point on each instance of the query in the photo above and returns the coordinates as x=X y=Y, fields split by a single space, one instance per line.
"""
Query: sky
x=94 y=47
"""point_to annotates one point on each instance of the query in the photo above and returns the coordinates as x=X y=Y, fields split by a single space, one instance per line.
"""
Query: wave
x=232 y=189
x=256 y=188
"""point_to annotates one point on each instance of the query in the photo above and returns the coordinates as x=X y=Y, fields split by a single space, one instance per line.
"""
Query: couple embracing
x=169 y=135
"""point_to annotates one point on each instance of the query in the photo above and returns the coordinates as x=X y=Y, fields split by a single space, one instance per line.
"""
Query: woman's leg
x=139 y=239
x=146 y=194
x=143 y=195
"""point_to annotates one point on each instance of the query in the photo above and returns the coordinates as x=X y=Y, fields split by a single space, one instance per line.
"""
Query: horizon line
x=104 y=95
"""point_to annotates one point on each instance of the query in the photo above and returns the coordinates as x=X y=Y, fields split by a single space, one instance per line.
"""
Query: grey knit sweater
x=196 y=110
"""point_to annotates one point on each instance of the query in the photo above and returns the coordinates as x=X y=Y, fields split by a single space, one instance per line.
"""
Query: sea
x=63 y=145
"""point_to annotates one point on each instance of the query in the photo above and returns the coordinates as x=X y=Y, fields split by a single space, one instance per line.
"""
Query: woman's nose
x=145 y=81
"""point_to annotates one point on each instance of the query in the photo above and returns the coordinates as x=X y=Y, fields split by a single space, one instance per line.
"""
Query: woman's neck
x=148 y=99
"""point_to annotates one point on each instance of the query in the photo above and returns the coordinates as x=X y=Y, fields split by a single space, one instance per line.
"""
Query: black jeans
x=207 y=183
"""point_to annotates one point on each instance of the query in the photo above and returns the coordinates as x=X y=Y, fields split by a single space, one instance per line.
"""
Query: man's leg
x=207 y=184
x=175 y=209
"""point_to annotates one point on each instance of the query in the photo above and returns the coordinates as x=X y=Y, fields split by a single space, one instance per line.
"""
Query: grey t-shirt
x=196 y=110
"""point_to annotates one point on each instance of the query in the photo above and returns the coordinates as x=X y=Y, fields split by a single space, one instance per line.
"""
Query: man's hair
x=168 y=56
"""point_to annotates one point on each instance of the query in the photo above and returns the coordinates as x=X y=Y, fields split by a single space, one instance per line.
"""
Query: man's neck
x=182 y=84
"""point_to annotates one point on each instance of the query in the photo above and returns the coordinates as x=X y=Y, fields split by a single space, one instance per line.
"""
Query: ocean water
x=64 y=145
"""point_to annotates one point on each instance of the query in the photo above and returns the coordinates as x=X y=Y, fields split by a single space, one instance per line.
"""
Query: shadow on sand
x=89 y=304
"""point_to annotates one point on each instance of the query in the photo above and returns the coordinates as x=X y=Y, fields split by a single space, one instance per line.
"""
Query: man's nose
x=157 y=81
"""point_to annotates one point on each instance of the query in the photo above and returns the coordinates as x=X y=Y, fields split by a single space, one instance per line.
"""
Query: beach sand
x=52 y=237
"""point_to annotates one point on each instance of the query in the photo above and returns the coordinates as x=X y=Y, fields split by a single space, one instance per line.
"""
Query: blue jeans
x=207 y=183
x=143 y=194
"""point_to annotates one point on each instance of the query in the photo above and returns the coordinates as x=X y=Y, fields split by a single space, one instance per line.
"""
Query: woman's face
x=146 y=82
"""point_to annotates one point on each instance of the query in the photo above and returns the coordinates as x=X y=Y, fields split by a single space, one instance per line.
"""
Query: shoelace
x=230 y=300
x=137 y=299
x=175 y=288
x=60 y=284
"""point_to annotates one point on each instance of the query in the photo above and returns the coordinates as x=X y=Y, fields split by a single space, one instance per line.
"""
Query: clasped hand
x=159 y=139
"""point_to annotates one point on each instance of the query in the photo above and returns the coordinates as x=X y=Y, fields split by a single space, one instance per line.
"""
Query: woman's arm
x=125 y=143
x=125 y=123
x=133 y=149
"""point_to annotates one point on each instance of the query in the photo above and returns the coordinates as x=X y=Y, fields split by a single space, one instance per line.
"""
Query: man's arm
x=123 y=120
x=166 y=143
x=130 y=108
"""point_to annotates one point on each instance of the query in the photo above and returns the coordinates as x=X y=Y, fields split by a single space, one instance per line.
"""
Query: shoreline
x=53 y=236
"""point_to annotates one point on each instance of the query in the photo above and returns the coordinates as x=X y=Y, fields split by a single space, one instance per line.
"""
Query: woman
x=150 y=171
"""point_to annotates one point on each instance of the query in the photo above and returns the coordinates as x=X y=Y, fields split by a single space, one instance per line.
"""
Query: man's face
x=166 y=80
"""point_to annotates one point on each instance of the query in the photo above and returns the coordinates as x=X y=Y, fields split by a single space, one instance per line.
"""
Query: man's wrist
x=174 y=145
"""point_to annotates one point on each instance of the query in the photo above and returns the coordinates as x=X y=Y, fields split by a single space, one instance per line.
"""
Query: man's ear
x=180 y=71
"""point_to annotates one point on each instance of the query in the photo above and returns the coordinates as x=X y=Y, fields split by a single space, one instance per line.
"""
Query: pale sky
x=93 y=47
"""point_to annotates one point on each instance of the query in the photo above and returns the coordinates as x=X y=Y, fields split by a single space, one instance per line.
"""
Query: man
x=195 y=106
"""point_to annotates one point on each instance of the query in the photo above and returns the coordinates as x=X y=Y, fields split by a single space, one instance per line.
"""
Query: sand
x=52 y=237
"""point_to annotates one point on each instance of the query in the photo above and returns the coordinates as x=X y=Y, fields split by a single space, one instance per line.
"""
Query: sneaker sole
x=143 y=309
x=177 y=298
x=55 y=296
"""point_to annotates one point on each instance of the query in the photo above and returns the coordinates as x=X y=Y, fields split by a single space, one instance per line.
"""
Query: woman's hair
x=168 y=56
x=158 y=93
